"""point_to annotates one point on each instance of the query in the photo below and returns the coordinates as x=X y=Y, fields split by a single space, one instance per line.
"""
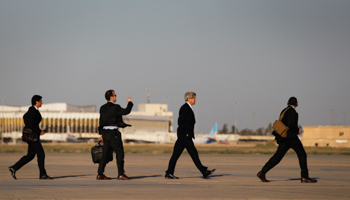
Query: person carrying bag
x=289 y=117
x=31 y=135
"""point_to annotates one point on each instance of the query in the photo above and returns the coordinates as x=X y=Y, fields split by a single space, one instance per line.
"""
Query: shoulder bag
x=279 y=127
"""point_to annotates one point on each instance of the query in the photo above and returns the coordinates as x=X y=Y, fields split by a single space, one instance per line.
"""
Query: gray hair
x=189 y=95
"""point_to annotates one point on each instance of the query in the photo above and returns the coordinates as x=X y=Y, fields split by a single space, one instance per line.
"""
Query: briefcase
x=97 y=151
x=28 y=135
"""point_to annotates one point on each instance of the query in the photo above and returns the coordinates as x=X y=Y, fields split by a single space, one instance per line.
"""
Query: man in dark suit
x=32 y=120
x=290 y=119
x=185 y=133
x=110 y=120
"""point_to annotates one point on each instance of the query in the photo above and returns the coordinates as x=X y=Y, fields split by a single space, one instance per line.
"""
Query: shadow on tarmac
x=298 y=179
x=70 y=176
x=213 y=176
x=141 y=177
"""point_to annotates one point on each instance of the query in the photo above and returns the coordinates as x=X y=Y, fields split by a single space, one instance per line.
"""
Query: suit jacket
x=290 y=119
x=111 y=114
x=32 y=119
x=186 y=122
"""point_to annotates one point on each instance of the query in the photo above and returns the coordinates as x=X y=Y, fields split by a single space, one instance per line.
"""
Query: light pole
x=253 y=121
x=236 y=117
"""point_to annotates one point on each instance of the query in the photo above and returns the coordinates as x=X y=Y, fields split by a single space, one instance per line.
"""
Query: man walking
x=290 y=119
x=110 y=120
x=185 y=133
x=32 y=119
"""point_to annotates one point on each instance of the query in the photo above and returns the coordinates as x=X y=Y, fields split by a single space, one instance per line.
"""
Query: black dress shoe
x=46 y=177
x=13 y=172
x=208 y=172
x=171 y=176
x=262 y=177
x=308 y=180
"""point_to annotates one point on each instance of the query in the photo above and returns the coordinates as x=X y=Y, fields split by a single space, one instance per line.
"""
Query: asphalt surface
x=234 y=178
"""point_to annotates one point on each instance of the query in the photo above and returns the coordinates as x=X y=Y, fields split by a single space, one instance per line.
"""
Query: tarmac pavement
x=234 y=178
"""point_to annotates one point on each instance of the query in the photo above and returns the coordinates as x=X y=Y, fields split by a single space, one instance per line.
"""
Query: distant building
x=151 y=111
x=326 y=136
x=50 y=107
x=82 y=122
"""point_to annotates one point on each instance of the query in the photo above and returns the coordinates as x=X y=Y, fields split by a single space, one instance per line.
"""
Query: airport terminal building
x=64 y=120
x=326 y=136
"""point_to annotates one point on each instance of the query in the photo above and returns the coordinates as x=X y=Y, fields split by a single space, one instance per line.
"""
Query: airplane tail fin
x=212 y=135
x=213 y=132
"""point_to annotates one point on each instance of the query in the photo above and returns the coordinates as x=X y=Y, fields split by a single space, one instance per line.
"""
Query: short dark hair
x=293 y=101
x=36 y=98
x=108 y=94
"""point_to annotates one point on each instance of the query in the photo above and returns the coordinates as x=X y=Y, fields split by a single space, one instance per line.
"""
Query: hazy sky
x=257 y=53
